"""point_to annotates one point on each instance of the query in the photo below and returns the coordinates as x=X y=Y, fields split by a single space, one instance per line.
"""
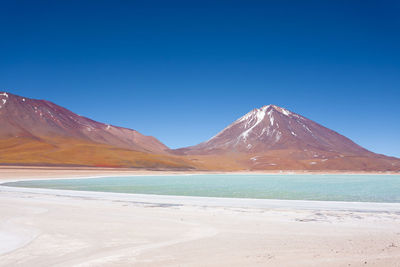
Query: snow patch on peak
x=257 y=114
x=286 y=112
x=4 y=102
x=278 y=136
x=4 y=94
x=271 y=119
x=283 y=111
x=265 y=116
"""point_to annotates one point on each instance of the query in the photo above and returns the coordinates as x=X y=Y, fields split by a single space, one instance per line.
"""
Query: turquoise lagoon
x=363 y=188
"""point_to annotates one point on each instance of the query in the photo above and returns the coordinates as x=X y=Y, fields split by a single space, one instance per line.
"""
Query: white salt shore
x=168 y=200
x=45 y=227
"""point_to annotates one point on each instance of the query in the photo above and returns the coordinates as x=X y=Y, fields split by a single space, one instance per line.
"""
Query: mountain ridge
x=41 y=133
x=42 y=119
x=267 y=138
x=271 y=123
x=273 y=138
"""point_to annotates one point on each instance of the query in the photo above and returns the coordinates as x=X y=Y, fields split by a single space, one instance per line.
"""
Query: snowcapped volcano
x=274 y=138
x=272 y=127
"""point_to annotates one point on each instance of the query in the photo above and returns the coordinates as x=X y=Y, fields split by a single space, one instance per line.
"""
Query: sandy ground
x=7 y=172
x=64 y=228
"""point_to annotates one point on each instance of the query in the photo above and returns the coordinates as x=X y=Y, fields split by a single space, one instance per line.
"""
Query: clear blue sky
x=183 y=70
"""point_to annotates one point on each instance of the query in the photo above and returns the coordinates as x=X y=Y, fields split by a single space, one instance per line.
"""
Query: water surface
x=364 y=188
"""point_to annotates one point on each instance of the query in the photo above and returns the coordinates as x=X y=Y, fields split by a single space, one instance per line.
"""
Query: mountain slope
x=72 y=152
x=272 y=137
x=272 y=127
x=39 y=132
x=41 y=119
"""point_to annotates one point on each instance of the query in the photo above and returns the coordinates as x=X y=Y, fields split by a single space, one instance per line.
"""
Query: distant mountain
x=24 y=117
x=272 y=127
x=41 y=132
x=272 y=137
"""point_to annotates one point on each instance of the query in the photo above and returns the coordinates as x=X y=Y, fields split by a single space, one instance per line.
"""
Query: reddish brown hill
x=39 y=132
x=41 y=120
x=275 y=138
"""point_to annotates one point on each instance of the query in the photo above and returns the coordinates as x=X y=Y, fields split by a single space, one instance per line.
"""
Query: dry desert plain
x=40 y=227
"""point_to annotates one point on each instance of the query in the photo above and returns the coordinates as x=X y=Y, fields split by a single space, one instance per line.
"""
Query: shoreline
x=31 y=173
x=45 y=227
x=245 y=203
x=200 y=200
